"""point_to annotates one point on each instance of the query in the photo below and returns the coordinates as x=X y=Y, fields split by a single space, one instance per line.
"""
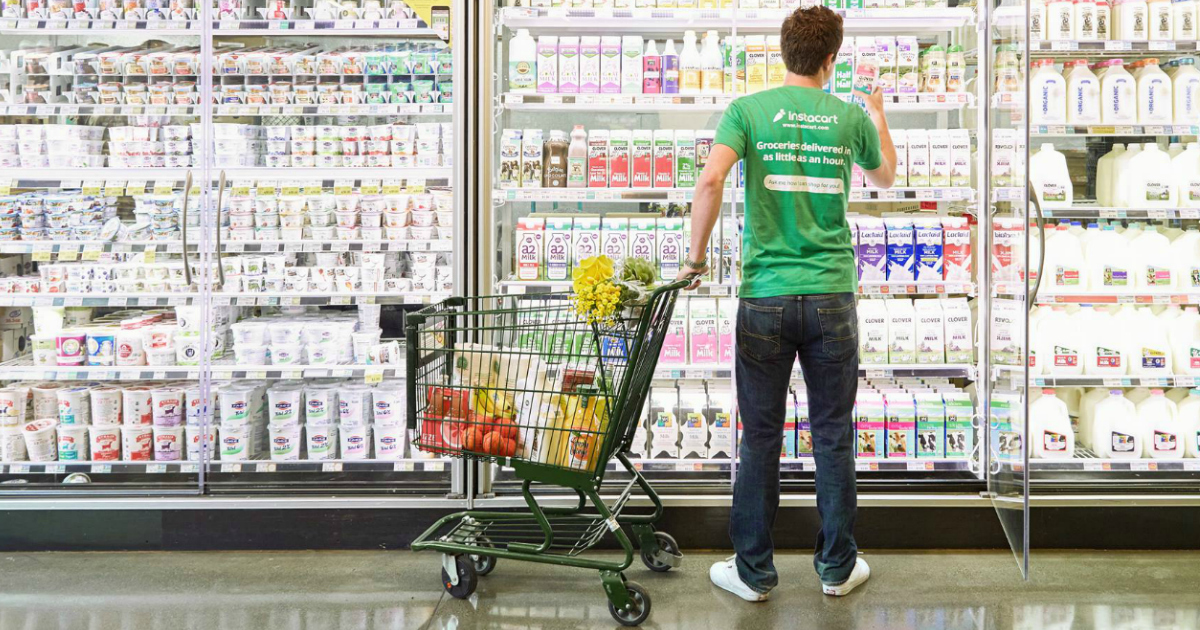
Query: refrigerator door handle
x=220 y=198
x=1041 y=223
x=187 y=193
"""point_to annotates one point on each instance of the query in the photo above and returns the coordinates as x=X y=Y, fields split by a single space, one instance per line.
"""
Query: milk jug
x=1037 y=20
x=1123 y=177
x=1085 y=20
x=1050 y=178
x=1115 y=429
x=1065 y=265
x=1152 y=259
x=1060 y=20
x=1154 y=94
x=1104 y=175
x=1103 y=20
x=1189 y=417
x=1163 y=432
x=1087 y=413
x=1050 y=432
x=1059 y=344
x=1175 y=148
x=1185 y=86
x=1161 y=20
x=1049 y=93
x=1083 y=95
x=1184 y=335
x=1185 y=260
x=1109 y=262
x=522 y=63
x=1104 y=353
x=1186 y=169
x=1118 y=94
x=1151 y=352
x=1131 y=20
x=1153 y=185
x=1184 y=16
x=1177 y=395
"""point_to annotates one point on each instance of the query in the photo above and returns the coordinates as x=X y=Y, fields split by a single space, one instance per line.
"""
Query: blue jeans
x=771 y=332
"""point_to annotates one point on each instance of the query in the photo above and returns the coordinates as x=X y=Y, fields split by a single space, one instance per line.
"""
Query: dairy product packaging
x=642 y=243
x=669 y=242
x=568 y=65
x=547 y=64
x=531 y=158
x=931 y=426
x=642 y=158
x=557 y=248
x=530 y=234
x=694 y=423
x=664 y=158
x=1004 y=157
x=619 y=158
x=585 y=237
x=901 y=426
x=960 y=158
x=930 y=331
x=597 y=160
x=901 y=264
x=610 y=64
x=726 y=319
x=960 y=434
x=589 y=65
x=873 y=336
x=885 y=58
x=939 y=158
x=1007 y=332
x=870 y=424
x=871 y=249
x=664 y=429
x=959 y=332
x=804 y=438
x=674 y=349
x=685 y=158
x=918 y=158
x=928 y=249
x=956 y=249
x=510 y=159
x=900 y=142
x=902 y=331
x=843 y=69
x=907 y=79
x=720 y=440
x=703 y=331
x=614 y=238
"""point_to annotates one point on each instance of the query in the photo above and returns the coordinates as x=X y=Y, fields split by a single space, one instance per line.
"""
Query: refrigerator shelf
x=74 y=177
x=684 y=195
x=439 y=245
x=1089 y=464
x=1111 y=47
x=705 y=372
x=709 y=289
x=220 y=299
x=341 y=109
x=341 y=28
x=644 y=20
x=1097 y=212
x=33 y=27
x=1142 y=297
x=1015 y=373
x=798 y=465
x=641 y=103
x=75 y=247
x=218 y=466
x=1057 y=131
x=67 y=109
x=222 y=370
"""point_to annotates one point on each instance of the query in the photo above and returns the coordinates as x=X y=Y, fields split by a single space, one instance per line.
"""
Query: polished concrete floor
x=948 y=590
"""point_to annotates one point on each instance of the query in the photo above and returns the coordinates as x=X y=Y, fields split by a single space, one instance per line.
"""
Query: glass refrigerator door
x=1012 y=276
x=99 y=230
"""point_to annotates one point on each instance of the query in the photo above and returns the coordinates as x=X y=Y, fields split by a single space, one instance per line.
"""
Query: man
x=797 y=293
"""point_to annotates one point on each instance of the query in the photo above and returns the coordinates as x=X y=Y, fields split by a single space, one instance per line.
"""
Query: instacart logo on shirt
x=804 y=118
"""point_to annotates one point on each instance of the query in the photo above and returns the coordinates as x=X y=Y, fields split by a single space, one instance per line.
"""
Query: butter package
x=901 y=426
x=960 y=434
x=643 y=239
x=870 y=425
x=685 y=158
x=642 y=158
x=703 y=331
x=931 y=332
x=530 y=234
x=585 y=237
x=618 y=158
x=939 y=158
x=693 y=443
x=931 y=426
x=669 y=241
x=614 y=238
x=510 y=158
x=664 y=158
x=597 y=158
x=531 y=158
x=557 y=252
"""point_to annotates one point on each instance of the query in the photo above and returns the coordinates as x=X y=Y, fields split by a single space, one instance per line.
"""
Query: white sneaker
x=725 y=575
x=859 y=575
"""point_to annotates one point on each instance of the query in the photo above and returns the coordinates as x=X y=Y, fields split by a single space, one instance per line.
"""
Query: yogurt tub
x=285 y=442
x=72 y=442
x=41 y=440
x=322 y=441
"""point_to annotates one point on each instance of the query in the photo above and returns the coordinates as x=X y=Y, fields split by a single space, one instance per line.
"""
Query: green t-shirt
x=797 y=144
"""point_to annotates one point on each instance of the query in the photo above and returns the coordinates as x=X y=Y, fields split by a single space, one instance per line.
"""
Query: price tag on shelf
x=264 y=467
x=68 y=253
x=101 y=469
x=391 y=186
x=313 y=187
x=136 y=188
x=55 y=469
x=365 y=299
x=343 y=186
x=267 y=188
x=1142 y=466
x=1118 y=45
x=1161 y=45
x=371 y=186
x=92 y=187
x=156 y=468
x=247 y=300
x=435 y=466
x=231 y=468
x=402 y=467
x=1064 y=45
x=114 y=188
x=91 y=253
x=6 y=186
x=339 y=300
x=416 y=186
x=373 y=375
x=18 y=469
x=240 y=188
x=164 y=187
x=42 y=253
x=291 y=189
x=257 y=374
x=1113 y=382
x=331 y=467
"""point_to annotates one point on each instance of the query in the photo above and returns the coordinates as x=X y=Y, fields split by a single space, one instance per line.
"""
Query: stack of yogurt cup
x=307 y=339
x=285 y=410
x=242 y=420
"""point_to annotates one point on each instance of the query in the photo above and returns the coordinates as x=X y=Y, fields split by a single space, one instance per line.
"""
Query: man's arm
x=706 y=205
x=885 y=175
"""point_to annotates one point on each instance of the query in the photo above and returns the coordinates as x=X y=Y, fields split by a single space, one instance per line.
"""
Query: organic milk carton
x=843 y=68
x=618 y=158
x=510 y=159
x=901 y=263
x=901 y=426
x=1004 y=146
x=674 y=348
x=669 y=237
x=693 y=443
x=664 y=158
x=642 y=158
x=959 y=335
x=530 y=232
x=531 y=159
x=703 y=329
x=804 y=439
x=931 y=426
x=610 y=64
x=685 y=158
x=589 y=65
x=902 y=331
x=642 y=243
x=664 y=429
x=900 y=141
x=557 y=253
x=939 y=158
x=871 y=249
x=907 y=77
x=873 y=336
x=720 y=440
x=918 y=158
x=870 y=426
x=614 y=238
x=956 y=249
x=960 y=158
x=885 y=57
x=725 y=322
x=631 y=64
x=1006 y=332
x=568 y=65
x=960 y=435
x=547 y=64
x=928 y=250
x=931 y=331
x=585 y=238
x=597 y=169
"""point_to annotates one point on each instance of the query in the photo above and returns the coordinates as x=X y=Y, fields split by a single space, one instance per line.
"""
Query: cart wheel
x=665 y=557
x=639 y=606
x=468 y=578
x=483 y=564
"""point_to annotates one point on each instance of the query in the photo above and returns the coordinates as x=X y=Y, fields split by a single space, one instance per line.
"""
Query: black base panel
x=694 y=527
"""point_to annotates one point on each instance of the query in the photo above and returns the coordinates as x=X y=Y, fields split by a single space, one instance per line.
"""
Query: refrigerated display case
x=214 y=219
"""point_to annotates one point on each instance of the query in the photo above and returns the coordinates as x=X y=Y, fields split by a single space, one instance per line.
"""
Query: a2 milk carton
x=642 y=239
x=614 y=238
x=530 y=242
x=585 y=237
x=557 y=251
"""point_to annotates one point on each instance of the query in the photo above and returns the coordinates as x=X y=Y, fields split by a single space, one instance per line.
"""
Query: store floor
x=399 y=589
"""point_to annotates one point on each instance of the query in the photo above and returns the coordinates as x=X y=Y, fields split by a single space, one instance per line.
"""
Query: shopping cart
x=526 y=382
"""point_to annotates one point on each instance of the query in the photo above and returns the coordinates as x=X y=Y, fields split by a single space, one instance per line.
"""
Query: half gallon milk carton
x=670 y=246
x=664 y=424
x=610 y=64
x=901 y=263
x=614 y=238
x=939 y=158
x=843 y=69
x=960 y=158
x=547 y=64
x=918 y=158
x=931 y=332
x=804 y=438
x=901 y=426
x=725 y=322
x=642 y=242
x=531 y=158
x=931 y=426
x=902 y=331
x=960 y=434
x=956 y=249
x=693 y=405
x=703 y=329
x=619 y=158
x=510 y=159
x=959 y=336
x=589 y=65
x=872 y=249
x=530 y=234
x=720 y=441
x=585 y=238
x=927 y=233
x=872 y=332
x=557 y=253
x=870 y=427
x=674 y=348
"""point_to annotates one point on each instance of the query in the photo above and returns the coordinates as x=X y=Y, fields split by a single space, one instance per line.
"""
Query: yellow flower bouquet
x=600 y=295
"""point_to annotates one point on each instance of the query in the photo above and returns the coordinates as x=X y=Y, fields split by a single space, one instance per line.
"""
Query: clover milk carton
x=931 y=335
x=703 y=329
x=725 y=322
x=674 y=348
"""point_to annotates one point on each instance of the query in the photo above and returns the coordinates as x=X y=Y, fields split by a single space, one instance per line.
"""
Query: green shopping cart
x=524 y=381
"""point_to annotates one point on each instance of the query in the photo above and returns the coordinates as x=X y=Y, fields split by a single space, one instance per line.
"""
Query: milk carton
x=674 y=348
x=1007 y=332
x=873 y=336
x=730 y=242
x=960 y=434
x=900 y=141
x=642 y=241
x=870 y=426
x=530 y=232
x=1007 y=246
x=631 y=64
x=901 y=263
x=704 y=331
x=642 y=158
x=725 y=323
x=585 y=238
x=901 y=426
x=902 y=331
x=685 y=158
x=959 y=331
x=843 y=68
x=885 y=57
x=693 y=443
x=939 y=158
x=610 y=64
x=614 y=238
x=931 y=331
x=720 y=440
x=918 y=158
x=956 y=249
x=669 y=238
x=568 y=65
x=928 y=249
x=1004 y=146
x=907 y=77
x=618 y=158
x=789 y=438
x=597 y=158
x=866 y=73
x=931 y=426
x=589 y=65
x=531 y=158
x=756 y=63
x=960 y=158
x=804 y=438
x=557 y=253
x=547 y=64
x=704 y=142
x=510 y=159
x=664 y=158
x=871 y=249
x=664 y=429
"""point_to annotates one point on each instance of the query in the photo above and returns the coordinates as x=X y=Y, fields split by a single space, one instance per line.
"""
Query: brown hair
x=808 y=37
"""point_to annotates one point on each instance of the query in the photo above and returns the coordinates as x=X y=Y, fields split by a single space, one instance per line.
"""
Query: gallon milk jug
x=1118 y=94
x=1152 y=260
x=1087 y=413
x=1104 y=175
x=1050 y=433
x=1189 y=416
x=1162 y=436
x=1184 y=335
x=1115 y=431
x=1083 y=95
x=1153 y=186
x=1185 y=86
x=1105 y=354
x=1177 y=395
x=522 y=63
x=1174 y=149
x=1109 y=262
x=1065 y=267
x=1154 y=94
x=1059 y=343
x=1050 y=177
x=1122 y=177
x=1186 y=169
x=1185 y=260
x=1049 y=93
x=1151 y=355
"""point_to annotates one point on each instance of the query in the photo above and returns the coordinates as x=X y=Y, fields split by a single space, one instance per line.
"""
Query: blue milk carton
x=901 y=261
x=928 y=251
x=871 y=248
